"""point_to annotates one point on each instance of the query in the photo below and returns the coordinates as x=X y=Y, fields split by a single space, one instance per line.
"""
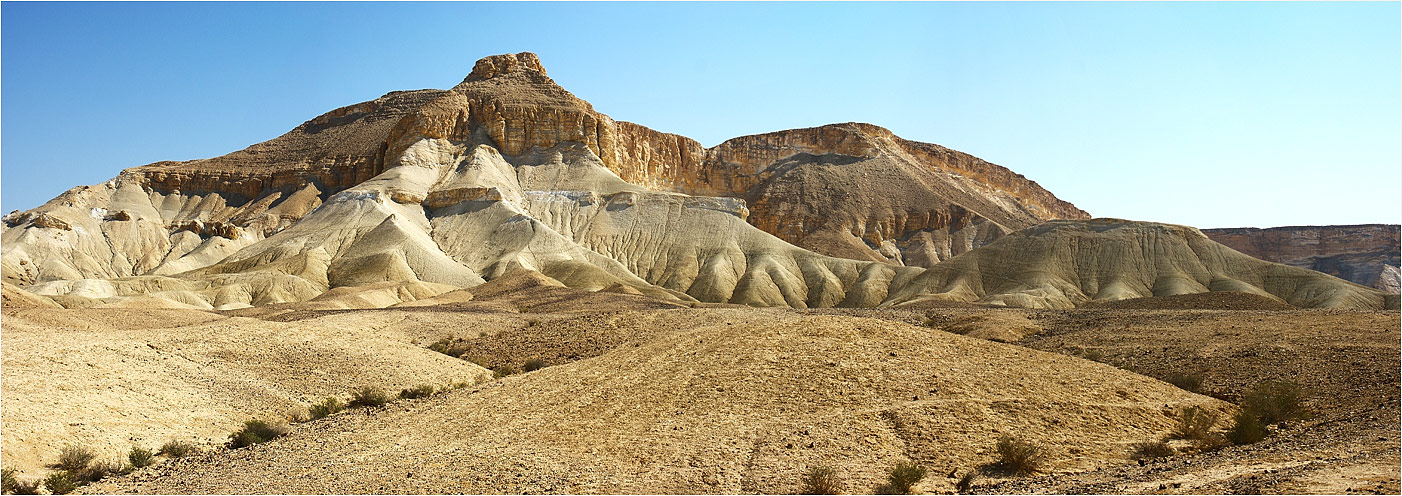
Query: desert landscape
x=497 y=289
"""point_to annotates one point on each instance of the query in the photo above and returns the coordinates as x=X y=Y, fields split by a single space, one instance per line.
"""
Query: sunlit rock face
x=507 y=171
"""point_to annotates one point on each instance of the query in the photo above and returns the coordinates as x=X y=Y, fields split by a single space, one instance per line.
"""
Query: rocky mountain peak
x=496 y=65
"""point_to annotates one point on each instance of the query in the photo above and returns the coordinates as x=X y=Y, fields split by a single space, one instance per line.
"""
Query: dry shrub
x=140 y=457
x=503 y=371
x=1152 y=449
x=177 y=449
x=1019 y=456
x=74 y=458
x=12 y=485
x=820 y=480
x=422 y=391
x=902 y=478
x=60 y=482
x=254 y=432
x=1246 y=429
x=449 y=346
x=1276 y=401
x=369 y=396
x=1195 y=423
x=327 y=407
x=966 y=483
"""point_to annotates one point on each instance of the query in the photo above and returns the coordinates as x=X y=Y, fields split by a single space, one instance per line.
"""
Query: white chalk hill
x=452 y=212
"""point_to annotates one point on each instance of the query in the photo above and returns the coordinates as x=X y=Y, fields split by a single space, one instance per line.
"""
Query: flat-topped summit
x=495 y=65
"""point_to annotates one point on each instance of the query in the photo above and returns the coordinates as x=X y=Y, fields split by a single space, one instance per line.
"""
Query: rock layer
x=1367 y=254
x=509 y=171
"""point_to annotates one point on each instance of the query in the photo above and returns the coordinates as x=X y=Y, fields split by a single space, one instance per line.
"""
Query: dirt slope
x=113 y=378
x=743 y=405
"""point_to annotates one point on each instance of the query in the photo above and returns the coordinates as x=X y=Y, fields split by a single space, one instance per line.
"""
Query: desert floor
x=644 y=397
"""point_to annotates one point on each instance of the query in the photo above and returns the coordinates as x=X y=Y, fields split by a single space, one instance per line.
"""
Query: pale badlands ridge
x=507 y=170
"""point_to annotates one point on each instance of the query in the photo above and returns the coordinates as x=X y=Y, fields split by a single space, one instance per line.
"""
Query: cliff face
x=851 y=190
x=848 y=190
x=1365 y=254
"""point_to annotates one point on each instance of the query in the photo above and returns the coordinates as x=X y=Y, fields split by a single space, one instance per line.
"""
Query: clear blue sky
x=1207 y=114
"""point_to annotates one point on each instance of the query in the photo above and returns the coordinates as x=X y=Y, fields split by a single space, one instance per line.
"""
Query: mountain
x=508 y=171
x=1368 y=254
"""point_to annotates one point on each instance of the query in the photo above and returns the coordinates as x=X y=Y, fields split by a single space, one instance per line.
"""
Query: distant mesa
x=416 y=193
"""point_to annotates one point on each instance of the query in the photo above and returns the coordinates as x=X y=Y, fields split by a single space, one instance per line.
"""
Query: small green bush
x=369 y=396
x=1152 y=449
x=60 y=482
x=533 y=365
x=177 y=449
x=1276 y=401
x=327 y=407
x=1190 y=383
x=902 y=477
x=503 y=371
x=1194 y=423
x=422 y=391
x=1020 y=457
x=820 y=480
x=140 y=457
x=74 y=458
x=254 y=432
x=1246 y=429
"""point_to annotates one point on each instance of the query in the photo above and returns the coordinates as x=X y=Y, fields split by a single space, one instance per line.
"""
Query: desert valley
x=495 y=288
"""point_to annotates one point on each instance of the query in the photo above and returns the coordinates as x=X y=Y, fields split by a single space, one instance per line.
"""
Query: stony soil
x=735 y=400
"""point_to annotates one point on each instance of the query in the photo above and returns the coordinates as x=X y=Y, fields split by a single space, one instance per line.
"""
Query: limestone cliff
x=507 y=170
x=1367 y=254
x=851 y=190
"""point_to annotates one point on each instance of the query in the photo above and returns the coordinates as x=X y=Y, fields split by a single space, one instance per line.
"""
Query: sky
x=1204 y=114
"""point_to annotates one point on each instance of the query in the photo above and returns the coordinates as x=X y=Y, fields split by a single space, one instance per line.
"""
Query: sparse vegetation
x=1152 y=449
x=966 y=482
x=369 y=396
x=449 y=346
x=177 y=449
x=1020 y=457
x=140 y=457
x=503 y=371
x=901 y=478
x=327 y=407
x=1275 y=401
x=1246 y=429
x=12 y=485
x=820 y=480
x=60 y=482
x=99 y=470
x=74 y=458
x=533 y=365
x=254 y=432
x=423 y=391
x=1194 y=423
x=1185 y=382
